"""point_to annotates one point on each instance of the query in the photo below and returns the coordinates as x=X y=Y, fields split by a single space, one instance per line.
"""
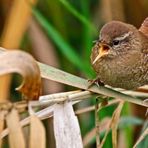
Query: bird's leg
x=96 y=81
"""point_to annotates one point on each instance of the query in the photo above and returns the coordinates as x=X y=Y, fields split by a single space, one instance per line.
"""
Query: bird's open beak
x=103 y=50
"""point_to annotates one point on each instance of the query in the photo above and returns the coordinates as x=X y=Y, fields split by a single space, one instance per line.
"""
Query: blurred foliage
x=73 y=35
x=72 y=25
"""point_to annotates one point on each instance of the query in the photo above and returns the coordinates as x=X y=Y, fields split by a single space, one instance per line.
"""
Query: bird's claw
x=96 y=82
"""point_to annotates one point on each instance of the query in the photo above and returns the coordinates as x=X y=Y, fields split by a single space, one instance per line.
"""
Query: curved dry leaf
x=24 y=64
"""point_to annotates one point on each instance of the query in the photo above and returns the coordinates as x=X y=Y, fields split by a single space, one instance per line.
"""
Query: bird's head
x=116 y=39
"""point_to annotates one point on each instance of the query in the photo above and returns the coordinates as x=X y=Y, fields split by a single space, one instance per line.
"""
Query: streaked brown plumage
x=120 y=56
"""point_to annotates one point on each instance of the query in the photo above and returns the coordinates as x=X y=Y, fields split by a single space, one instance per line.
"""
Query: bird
x=120 y=55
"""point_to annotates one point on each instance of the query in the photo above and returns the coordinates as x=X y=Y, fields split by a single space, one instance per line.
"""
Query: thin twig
x=92 y=108
x=46 y=98
x=48 y=112
x=49 y=72
x=143 y=135
x=97 y=122
x=44 y=114
x=61 y=97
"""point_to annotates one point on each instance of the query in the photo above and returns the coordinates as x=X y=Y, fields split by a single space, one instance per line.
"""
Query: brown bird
x=120 y=56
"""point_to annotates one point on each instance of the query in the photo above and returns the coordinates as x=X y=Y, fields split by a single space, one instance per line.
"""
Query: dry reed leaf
x=45 y=52
x=37 y=133
x=113 y=124
x=66 y=127
x=15 y=26
x=115 y=121
x=20 y=62
x=2 y=114
x=144 y=134
x=16 y=23
x=16 y=137
x=109 y=12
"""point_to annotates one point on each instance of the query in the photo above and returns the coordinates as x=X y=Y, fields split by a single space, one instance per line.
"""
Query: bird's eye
x=116 y=42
